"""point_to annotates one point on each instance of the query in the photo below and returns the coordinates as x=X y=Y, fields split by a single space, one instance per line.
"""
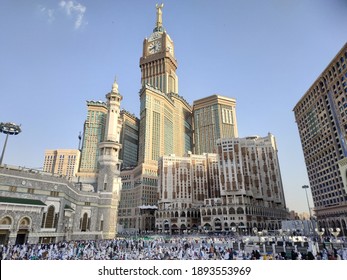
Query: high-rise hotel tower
x=165 y=128
x=321 y=117
x=214 y=118
x=165 y=117
x=93 y=134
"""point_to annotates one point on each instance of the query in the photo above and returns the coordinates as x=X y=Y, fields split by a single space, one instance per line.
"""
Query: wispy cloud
x=71 y=9
x=75 y=10
x=49 y=13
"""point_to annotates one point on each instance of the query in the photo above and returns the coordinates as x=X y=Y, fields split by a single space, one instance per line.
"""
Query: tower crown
x=158 y=63
x=159 y=24
x=115 y=86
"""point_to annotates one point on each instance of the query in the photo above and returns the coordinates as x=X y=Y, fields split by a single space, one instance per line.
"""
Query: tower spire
x=159 y=24
x=115 y=85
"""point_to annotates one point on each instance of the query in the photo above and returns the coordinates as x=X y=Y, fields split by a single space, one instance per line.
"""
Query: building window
x=84 y=222
x=54 y=193
x=49 y=217
x=101 y=225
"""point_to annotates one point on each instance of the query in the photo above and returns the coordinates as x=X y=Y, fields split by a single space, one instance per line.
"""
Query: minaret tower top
x=113 y=106
x=115 y=86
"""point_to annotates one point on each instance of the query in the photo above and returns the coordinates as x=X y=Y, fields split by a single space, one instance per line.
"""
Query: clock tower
x=165 y=125
x=165 y=117
x=158 y=63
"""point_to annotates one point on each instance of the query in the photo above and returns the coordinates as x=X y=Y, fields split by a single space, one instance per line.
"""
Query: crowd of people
x=158 y=248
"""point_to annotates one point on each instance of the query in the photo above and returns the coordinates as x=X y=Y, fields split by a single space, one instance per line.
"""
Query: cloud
x=49 y=13
x=75 y=10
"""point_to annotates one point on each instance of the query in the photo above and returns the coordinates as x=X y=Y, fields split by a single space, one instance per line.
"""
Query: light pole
x=308 y=204
x=8 y=129
x=335 y=232
x=311 y=227
x=320 y=233
x=258 y=232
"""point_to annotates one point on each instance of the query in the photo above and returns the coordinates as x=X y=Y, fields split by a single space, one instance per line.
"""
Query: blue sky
x=55 y=55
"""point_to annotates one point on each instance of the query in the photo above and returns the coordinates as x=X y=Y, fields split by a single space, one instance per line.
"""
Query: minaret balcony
x=109 y=147
x=109 y=158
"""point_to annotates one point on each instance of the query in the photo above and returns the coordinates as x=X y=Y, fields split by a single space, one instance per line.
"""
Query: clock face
x=169 y=48
x=154 y=47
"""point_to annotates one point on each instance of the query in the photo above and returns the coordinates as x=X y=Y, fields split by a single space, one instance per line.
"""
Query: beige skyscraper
x=62 y=162
x=165 y=117
x=239 y=187
x=165 y=127
x=184 y=185
x=214 y=118
x=250 y=186
x=321 y=117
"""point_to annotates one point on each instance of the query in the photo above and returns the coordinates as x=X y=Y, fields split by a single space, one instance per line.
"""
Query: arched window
x=24 y=223
x=6 y=221
x=49 y=217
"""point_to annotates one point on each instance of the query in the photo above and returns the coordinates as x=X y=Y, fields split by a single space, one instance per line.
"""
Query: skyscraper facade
x=184 y=184
x=165 y=117
x=165 y=127
x=62 y=162
x=239 y=187
x=93 y=133
x=214 y=118
x=321 y=117
x=251 y=165
x=251 y=190
x=129 y=139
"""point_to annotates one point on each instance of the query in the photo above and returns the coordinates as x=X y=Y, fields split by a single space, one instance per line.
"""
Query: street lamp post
x=335 y=232
x=259 y=233
x=311 y=227
x=8 y=129
x=320 y=233
x=308 y=204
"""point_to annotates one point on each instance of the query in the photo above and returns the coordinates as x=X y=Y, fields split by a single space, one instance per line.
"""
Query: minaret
x=109 y=182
